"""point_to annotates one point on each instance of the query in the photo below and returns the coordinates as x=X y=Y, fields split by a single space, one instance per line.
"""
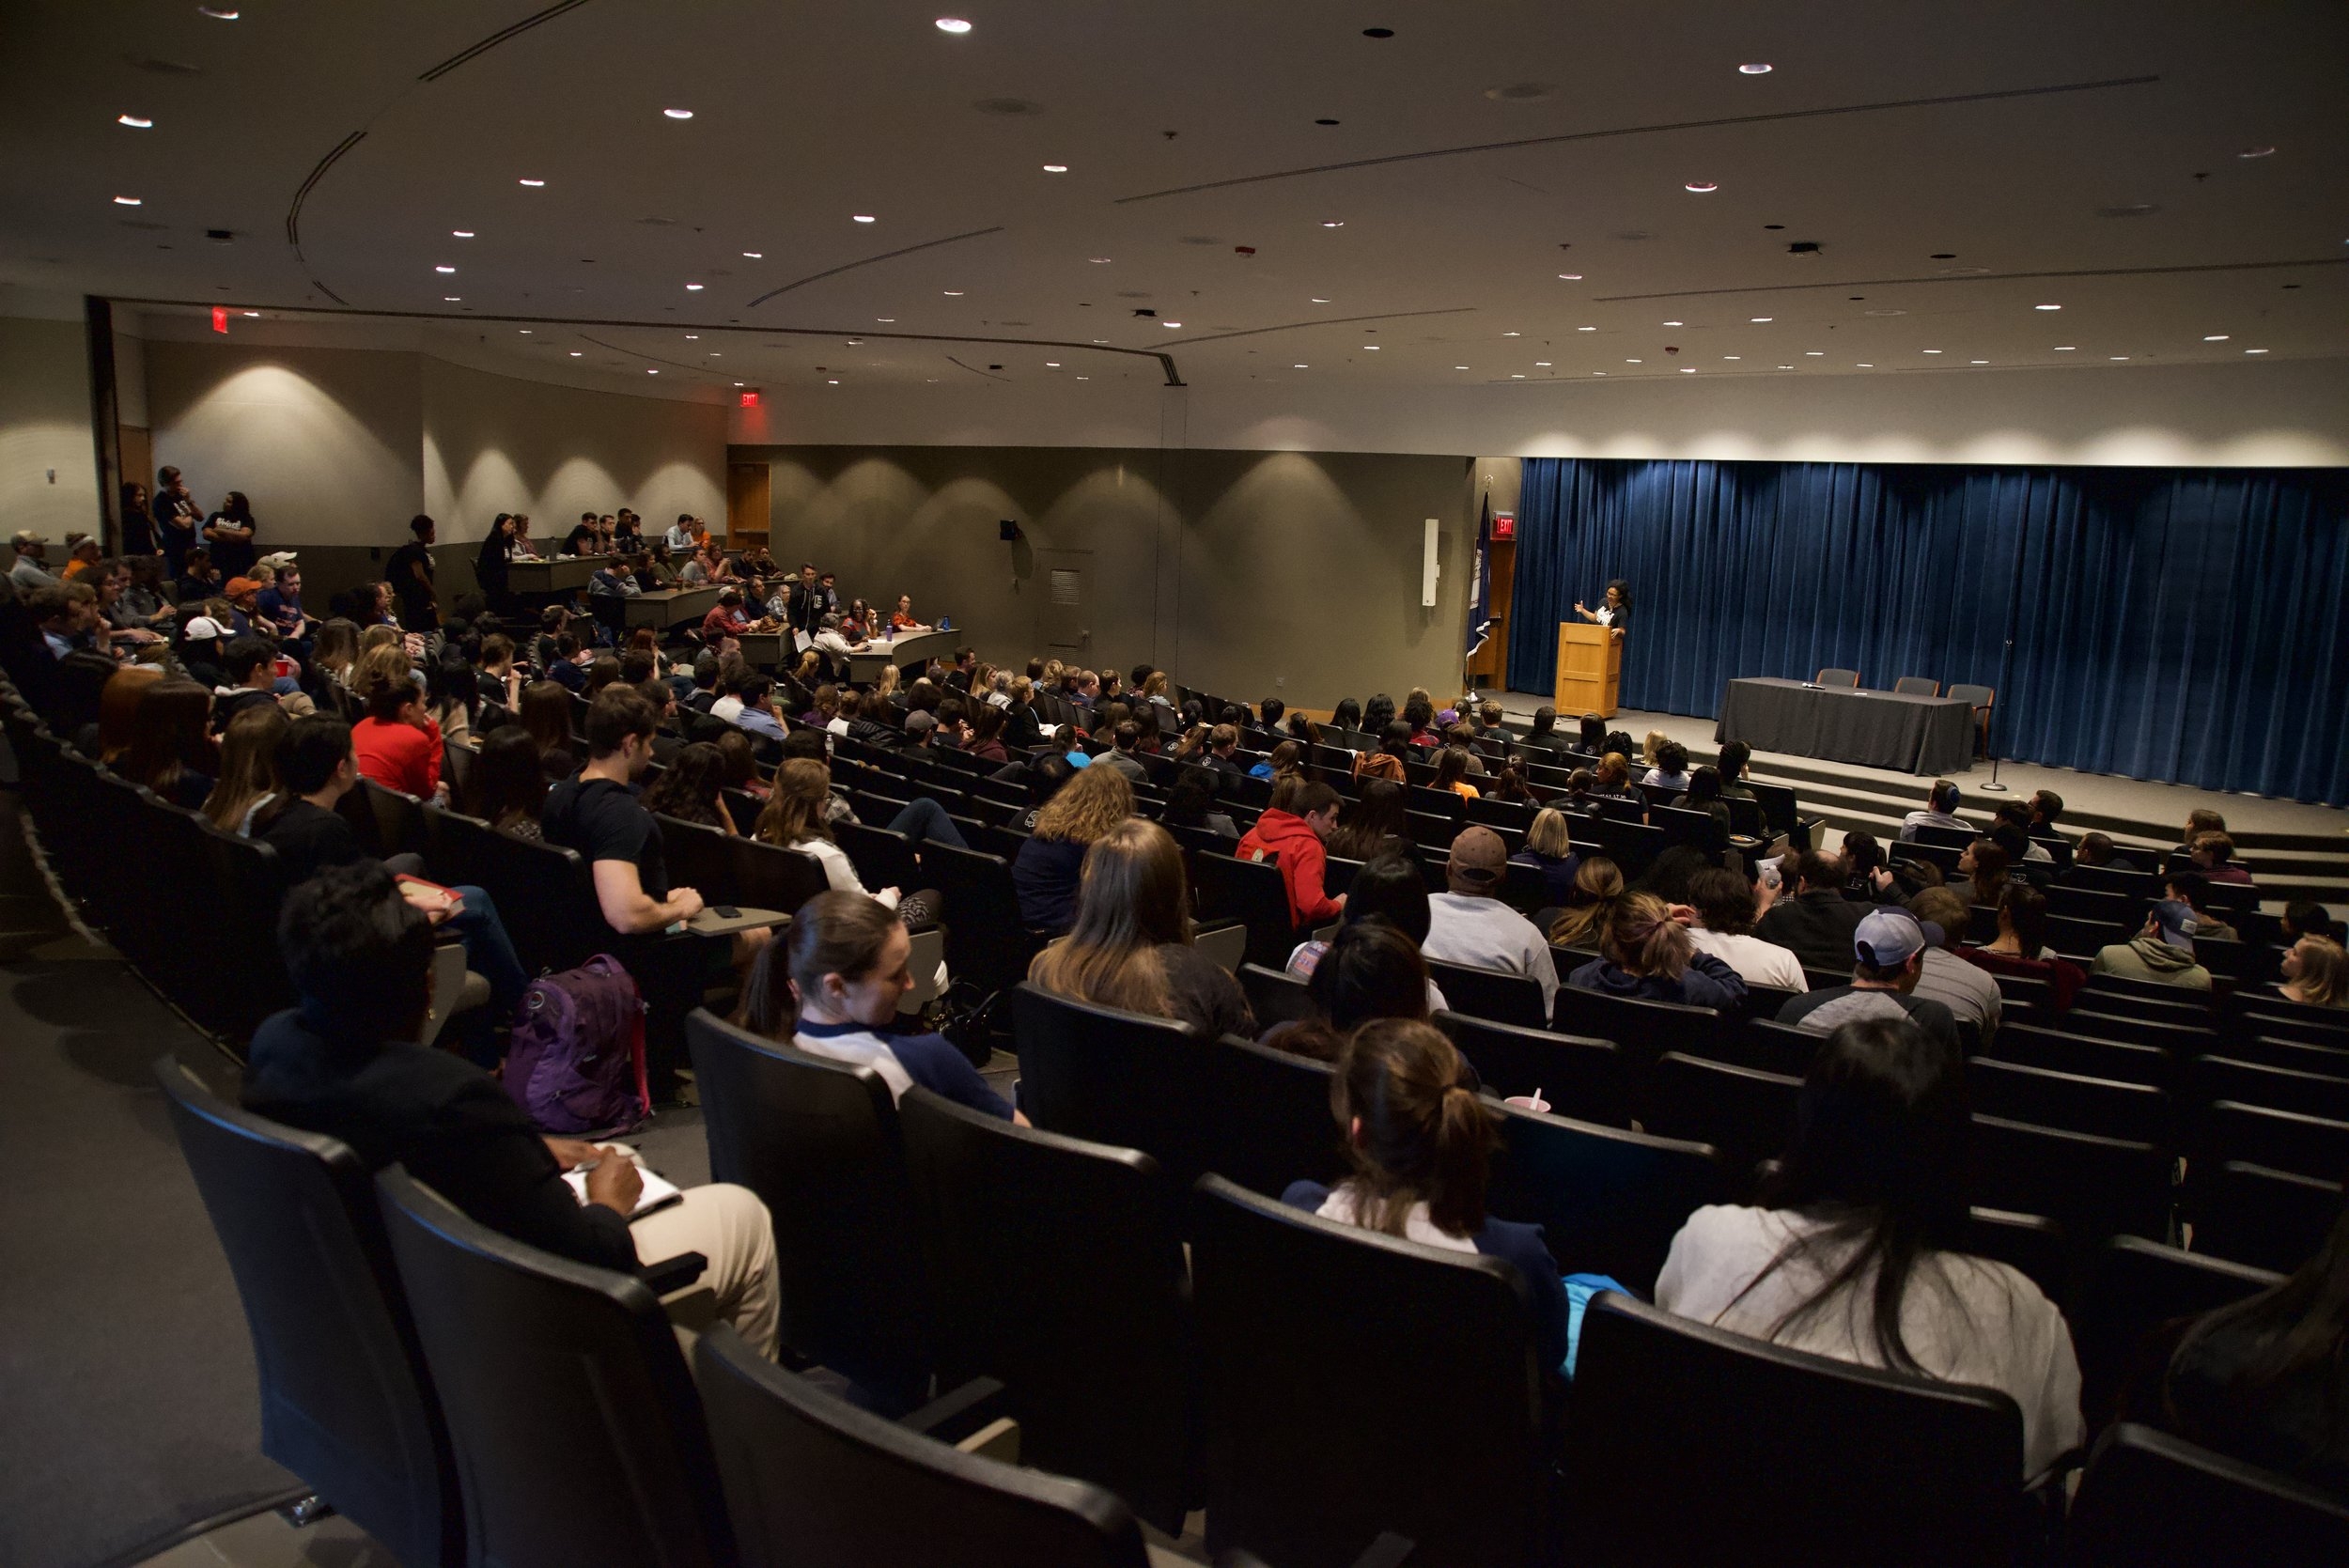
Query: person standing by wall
x=410 y=573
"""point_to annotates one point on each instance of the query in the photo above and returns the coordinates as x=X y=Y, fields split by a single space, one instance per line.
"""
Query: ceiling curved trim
x=1165 y=361
x=537 y=18
x=1331 y=321
x=1985 y=277
x=294 y=213
x=1774 y=116
x=870 y=260
x=982 y=375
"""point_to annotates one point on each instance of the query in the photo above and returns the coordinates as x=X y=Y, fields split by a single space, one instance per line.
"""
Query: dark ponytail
x=1425 y=1135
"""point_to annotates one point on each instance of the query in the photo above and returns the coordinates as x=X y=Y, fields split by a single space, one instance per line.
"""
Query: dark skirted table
x=1839 y=723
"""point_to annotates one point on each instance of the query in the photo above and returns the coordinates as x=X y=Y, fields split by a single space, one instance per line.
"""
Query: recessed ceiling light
x=2215 y=337
x=1317 y=300
x=693 y=288
x=1101 y=340
x=1571 y=277
x=864 y=218
x=534 y=184
x=1733 y=356
x=1586 y=329
x=693 y=338
x=1513 y=334
x=1300 y=367
x=1099 y=261
x=1051 y=364
x=136 y=122
x=1541 y=365
x=1598 y=372
x=2064 y=348
x=1757 y=68
x=1931 y=351
x=2046 y=308
x=834 y=381
x=1785 y=368
x=1333 y=222
x=1688 y=369
x=1863 y=364
x=1459 y=368
x=1814 y=353
x=953 y=293
x=1081 y=378
x=1516 y=375
x=678 y=113
x=444 y=269
x=1760 y=321
x=755 y=255
x=218 y=13
x=652 y=372
x=1977 y=362
x=885 y=321
x=1635 y=361
x=1372 y=347
x=1169 y=325
x=576 y=353
x=1702 y=187
x=461 y=233
x=954 y=24
x=452 y=299
x=1676 y=323
x=2116 y=356
x=524 y=331
x=714 y=355
x=1055 y=168
x=129 y=201
x=2255 y=350
x=738 y=384
x=2255 y=153
x=253 y=313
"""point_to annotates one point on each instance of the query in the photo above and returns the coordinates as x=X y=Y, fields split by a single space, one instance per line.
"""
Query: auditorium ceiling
x=1407 y=192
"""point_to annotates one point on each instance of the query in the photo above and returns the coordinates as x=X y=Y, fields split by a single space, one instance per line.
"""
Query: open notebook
x=658 y=1192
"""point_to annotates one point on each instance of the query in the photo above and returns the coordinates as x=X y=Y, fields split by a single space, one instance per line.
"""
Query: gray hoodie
x=2151 y=958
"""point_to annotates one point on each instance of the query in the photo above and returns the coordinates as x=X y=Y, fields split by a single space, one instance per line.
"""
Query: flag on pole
x=1480 y=622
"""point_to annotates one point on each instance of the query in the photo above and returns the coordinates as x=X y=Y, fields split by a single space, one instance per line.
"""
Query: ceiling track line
x=294 y=213
x=1774 y=116
x=1986 y=277
x=1332 y=322
x=537 y=20
x=982 y=375
x=885 y=255
x=1165 y=361
x=635 y=353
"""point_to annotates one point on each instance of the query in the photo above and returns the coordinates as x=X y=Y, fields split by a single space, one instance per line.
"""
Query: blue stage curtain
x=2182 y=625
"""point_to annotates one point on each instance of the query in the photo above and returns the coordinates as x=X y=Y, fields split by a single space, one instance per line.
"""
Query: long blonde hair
x=248 y=765
x=336 y=648
x=1088 y=807
x=1597 y=896
x=1132 y=900
x=2323 y=978
x=1644 y=940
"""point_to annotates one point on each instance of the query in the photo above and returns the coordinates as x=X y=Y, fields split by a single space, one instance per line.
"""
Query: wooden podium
x=1590 y=665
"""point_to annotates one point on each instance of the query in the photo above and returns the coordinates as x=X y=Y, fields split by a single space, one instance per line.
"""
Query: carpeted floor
x=127 y=1405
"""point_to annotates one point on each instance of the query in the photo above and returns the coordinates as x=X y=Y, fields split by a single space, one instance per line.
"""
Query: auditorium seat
x=1579 y=1078
x=1250 y=891
x=1267 y=1121
x=2212 y=1079
x=2153 y=1500
x=2132 y=1289
x=1483 y=993
x=1763 y=1042
x=1747 y=1113
x=1838 y=677
x=882 y=859
x=2181 y=1040
x=345 y=1403
x=2299 y=1055
x=2279 y=1139
x=542 y=892
x=1609 y=1201
x=2254 y=1215
x=2048 y=1098
x=814 y=1482
x=818 y=1141
x=578 y=1433
x=1062 y=1264
x=1645 y=1029
x=2190 y=1009
x=2056 y=1047
x=1916 y=686
x=987 y=943
x=2031 y=1244
x=1358 y=1384
x=1691 y=1444
x=1274 y=995
x=1984 y=698
x=1116 y=1078
x=2092 y=1187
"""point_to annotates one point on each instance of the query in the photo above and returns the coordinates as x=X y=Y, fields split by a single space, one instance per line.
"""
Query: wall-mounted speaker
x=1428 y=570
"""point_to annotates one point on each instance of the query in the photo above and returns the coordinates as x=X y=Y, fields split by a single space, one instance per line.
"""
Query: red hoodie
x=1301 y=859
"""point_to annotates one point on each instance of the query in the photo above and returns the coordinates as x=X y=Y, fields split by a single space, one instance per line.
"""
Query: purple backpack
x=577 y=1060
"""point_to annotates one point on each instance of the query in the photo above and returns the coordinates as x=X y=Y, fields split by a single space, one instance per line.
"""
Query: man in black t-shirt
x=410 y=573
x=596 y=812
x=583 y=539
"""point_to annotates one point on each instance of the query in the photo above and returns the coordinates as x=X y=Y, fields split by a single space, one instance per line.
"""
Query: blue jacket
x=1513 y=1243
x=1706 y=983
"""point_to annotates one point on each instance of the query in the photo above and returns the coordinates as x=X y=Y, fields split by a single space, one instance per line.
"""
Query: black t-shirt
x=605 y=821
x=309 y=838
x=416 y=598
x=577 y=539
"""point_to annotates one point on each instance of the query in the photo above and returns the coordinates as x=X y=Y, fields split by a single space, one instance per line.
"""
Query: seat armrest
x=673 y=1274
x=959 y=1412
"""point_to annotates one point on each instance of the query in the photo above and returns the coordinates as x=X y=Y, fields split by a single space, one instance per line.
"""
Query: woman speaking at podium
x=1615 y=612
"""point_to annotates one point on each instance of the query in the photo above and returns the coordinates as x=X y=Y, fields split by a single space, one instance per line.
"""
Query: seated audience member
x=1542 y=735
x=1510 y=784
x=452 y=695
x=1946 y=977
x=1130 y=946
x=248 y=768
x=1452 y=765
x=1420 y=1143
x=1379 y=821
x=1395 y=748
x=2315 y=974
x=2201 y=820
x=830 y=985
x=1050 y=865
x=1125 y=740
x=1291 y=831
x=398 y=744
x=1549 y=849
x=2306 y=916
x=1735 y=756
x=693 y=789
x=757 y=709
x=2096 y=849
x=986 y=734
x=1387 y=888
x=1855 y=1255
x=797 y=817
x=171 y=751
x=2017 y=845
x=726 y=619
x=1371 y=969
x=1190 y=804
x=2021 y=947
x=546 y=718
x=1985 y=866
x=342 y=1063
x=1672 y=767
x=1468 y=923
x=2046 y=807
x=1286 y=757
x=2022 y=847
x=2213 y=856
x=568 y=667
x=2264 y=1380
x=1724 y=905
x=1592 y=905
x=508 y=785
x=2164 y=951
x=1613 y=780
x=1940 y=811
x=1649 y=955
x=1815 y=924
x=596 y=813
x=2192 y=889
x=249 y=679
x=1889 y=947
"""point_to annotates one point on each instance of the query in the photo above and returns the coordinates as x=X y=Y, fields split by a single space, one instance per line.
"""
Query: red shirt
x=400 y=755
x=1301 y=861
x=723 y=622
